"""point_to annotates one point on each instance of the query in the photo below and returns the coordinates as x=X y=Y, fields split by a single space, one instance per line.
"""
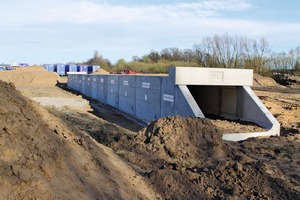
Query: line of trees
x=285 y=61
x=219 y=51
x=98 y=59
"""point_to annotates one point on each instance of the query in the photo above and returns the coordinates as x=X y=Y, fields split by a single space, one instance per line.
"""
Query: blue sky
x=50 y=31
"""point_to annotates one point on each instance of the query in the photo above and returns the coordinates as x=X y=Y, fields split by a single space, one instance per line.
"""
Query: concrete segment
x=169 y=98
x=148 y=97
x=78 y=82
x=102 y=88
x=127 y=94
x=88 y=86
x=81 y=86
x=112 y=94
x=94 y=86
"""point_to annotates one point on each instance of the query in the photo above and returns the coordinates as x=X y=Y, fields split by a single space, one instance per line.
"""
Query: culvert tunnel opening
x=217 y=101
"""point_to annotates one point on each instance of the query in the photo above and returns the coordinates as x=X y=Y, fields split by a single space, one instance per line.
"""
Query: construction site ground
x=57 y=144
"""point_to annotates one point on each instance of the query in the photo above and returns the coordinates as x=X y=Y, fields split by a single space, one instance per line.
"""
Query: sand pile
x=43 y=159
x=101 y=71
x=185 y=158
x=260 y=81
x=35 y=75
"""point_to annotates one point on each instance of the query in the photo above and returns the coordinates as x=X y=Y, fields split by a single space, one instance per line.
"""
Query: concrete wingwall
x=250 y=108
x=145 y=97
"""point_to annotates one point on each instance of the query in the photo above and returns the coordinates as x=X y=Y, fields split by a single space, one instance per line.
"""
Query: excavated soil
x=260 y=81
x=62 y=146
x=41 y=158
x=185 y=158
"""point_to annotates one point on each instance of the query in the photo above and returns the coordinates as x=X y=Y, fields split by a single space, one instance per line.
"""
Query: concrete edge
x=264 y=109
x=213 y=76
x=191 y=101
x=243 y=136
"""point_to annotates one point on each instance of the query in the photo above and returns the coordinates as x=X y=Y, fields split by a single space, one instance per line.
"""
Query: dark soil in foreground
x=185 y=158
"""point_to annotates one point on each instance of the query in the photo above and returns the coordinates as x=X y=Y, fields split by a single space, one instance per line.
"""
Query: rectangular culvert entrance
x=216 y=101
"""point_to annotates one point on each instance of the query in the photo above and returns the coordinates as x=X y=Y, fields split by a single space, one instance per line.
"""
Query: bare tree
x=154 y=56
x=294 y=55
x=221 y=51
x=99 y=60
x=256 y=54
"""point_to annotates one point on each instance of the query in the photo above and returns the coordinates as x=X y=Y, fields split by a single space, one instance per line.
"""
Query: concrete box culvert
x=101 y=88
x=186 y=91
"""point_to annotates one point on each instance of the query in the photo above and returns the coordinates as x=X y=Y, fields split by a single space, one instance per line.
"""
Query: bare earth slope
x=40 y=158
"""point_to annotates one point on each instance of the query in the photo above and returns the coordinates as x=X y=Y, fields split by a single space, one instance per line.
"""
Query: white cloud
x=84 y=11
x=231 y=5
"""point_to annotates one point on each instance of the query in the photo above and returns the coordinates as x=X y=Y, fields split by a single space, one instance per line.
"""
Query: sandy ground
x=61 y=142
x=43 y=158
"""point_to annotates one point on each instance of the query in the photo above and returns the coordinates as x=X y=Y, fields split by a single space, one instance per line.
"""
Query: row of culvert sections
x=144 y=97
x=64 y=69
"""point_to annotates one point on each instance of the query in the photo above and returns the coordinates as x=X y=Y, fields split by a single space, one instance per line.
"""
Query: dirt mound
x=35 y=75
x=178 y=139
x=260 y=81
x=185 y=158
x=43 y=159
x=294 y=78
x=101 y=71
x=293 y=81
x=183 y=137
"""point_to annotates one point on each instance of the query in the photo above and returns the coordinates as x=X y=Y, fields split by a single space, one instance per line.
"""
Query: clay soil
x=56 y=144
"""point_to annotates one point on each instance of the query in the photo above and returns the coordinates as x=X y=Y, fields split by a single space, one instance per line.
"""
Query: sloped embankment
x=40 y=158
